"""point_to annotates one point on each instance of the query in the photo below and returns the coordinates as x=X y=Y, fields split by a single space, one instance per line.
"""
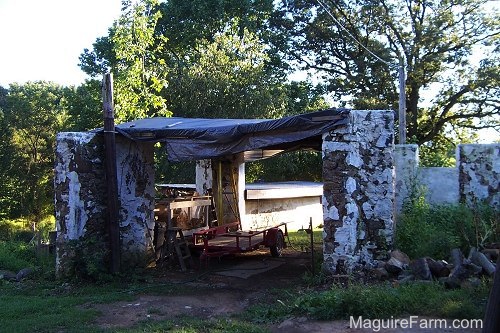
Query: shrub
x=15 y=255
x=425 y=230
x=88 y=259
x=384 y=301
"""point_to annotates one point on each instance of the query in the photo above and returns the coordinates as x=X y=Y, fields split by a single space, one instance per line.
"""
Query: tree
x=34 y=113
x=131 y=52
x=358 y=49
x=84 y=106
x=8 y=184
x=226 y=78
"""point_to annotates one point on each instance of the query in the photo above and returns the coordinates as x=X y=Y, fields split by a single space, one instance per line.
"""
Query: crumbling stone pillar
x=80 y=198
x=358 y=198
x=479 y=170
x=80 y=202
x=406 y=172
x=136 y=194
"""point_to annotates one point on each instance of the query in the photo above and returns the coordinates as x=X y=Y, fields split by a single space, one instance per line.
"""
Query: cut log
x=438 y=268
x=420 y=269
x=480 y=259
x=491 y=317
x=456 y=257
x=491 y=253
x=401 y=256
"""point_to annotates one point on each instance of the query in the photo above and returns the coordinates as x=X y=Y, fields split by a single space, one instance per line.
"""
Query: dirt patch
x=205 y=293
x=209 y=291
x=125 y=314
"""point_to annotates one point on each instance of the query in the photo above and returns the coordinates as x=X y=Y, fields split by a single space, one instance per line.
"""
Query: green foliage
x=426 y=230
x=299 y=165
x=377 y=301
x=84 y=106
x=140 y=74
x=386 y=301
x=193 y=325
x=16 y=255
x=89 y=259
x=167 y=172
x=33 y=114
x=226 y=77
x=49 y=307
x=357 y=55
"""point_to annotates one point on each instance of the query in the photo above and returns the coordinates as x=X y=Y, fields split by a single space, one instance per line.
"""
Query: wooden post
x=220 y=193
x=492 y=315
x=402 y=102
x=113 y=227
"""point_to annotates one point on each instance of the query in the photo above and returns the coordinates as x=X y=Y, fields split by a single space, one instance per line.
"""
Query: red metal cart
x=228 y=239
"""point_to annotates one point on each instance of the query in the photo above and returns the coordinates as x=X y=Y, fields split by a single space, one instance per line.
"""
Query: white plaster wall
x=76 y=216
x=136 y=192
x=440 y=185
x=204 y=176
x=295 y=211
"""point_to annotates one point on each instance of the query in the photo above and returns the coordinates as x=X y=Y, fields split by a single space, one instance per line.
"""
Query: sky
x=42 y=39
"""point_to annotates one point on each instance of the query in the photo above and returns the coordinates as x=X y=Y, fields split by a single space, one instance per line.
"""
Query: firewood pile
x=458 y=272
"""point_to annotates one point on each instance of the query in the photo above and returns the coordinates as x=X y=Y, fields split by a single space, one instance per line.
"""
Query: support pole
x=312 y=245
x=402 y=102
x=113 y=227
x=220 y=193
x=492 y=315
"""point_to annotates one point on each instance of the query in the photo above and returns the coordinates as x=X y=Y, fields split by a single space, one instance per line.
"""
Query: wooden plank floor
x=230 y=241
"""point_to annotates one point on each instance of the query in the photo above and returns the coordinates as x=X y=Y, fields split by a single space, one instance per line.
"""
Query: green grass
x=192 y=325
x=49 y=307
x=301 y=239
x=44 y=306
x=377 y=301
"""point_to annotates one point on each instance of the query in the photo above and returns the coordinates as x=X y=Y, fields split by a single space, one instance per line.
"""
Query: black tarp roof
x=197 y=138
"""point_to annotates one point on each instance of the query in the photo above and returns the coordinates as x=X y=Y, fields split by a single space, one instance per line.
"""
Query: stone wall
x=136 y=193
x=204 y=177
x=475 y=177
x=80 y=202
x=358 y=199
x=80 y=199
x=406 y=166
x=479 y=170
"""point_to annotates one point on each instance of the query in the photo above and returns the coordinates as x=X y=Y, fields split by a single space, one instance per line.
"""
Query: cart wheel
x=277 y=248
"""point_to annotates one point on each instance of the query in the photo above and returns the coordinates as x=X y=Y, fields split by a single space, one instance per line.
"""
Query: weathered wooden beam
x=113 y=227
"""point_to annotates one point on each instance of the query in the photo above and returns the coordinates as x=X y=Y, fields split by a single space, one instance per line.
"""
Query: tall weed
x=425 y=230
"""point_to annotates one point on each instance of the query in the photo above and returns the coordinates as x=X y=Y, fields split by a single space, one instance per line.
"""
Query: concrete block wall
x=297 y=212
x=358 y=198
x=441 y=184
